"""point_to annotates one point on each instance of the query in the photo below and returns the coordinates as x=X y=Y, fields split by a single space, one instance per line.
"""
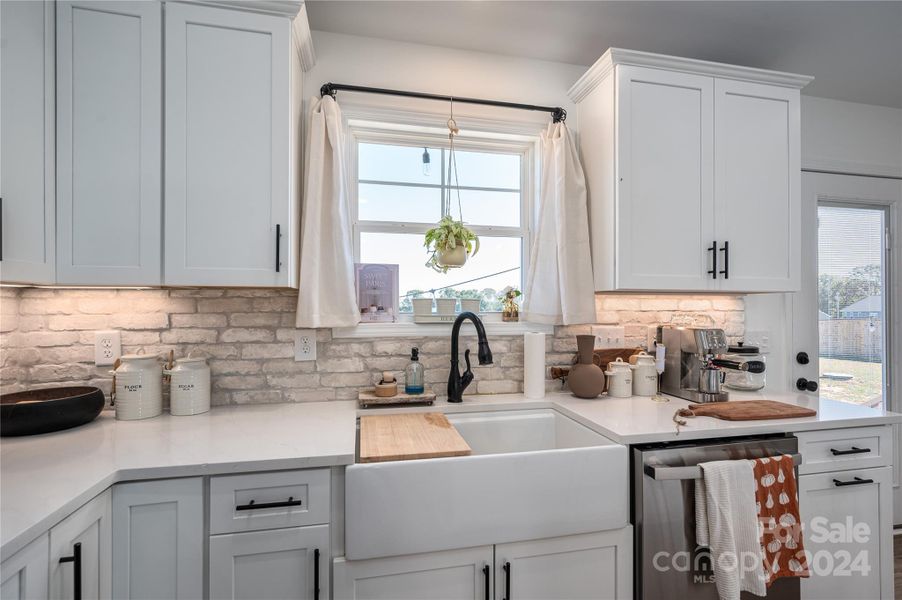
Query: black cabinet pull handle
x=853 y=450
x=713 y=251
x=507 y=581
x=855 y=481
x=485 y=572
x=75 y=559
x=726 y=260
x=252 y=505
x=278 y=247
x=316 y=574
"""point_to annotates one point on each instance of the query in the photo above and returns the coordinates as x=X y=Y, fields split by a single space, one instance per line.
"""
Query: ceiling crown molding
x=283 y=8
x=303 y=40
x=618 y=56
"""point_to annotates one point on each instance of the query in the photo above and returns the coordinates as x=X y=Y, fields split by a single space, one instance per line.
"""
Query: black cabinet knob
x=802 y=358
x=805 y=385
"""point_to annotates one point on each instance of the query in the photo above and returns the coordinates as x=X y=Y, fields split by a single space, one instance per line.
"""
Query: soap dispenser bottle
x=414 y=374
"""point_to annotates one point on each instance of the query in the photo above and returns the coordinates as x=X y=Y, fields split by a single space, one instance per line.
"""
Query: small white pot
x=422 y=306
x=620 y=379
x=645 y=375
x=139 y=387
x=453 y=258
x=189 y=386
x=445 y=306
x=469 y=305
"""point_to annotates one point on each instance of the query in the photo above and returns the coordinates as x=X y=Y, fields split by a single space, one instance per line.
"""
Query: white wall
x=383 y=63
x=851 y=138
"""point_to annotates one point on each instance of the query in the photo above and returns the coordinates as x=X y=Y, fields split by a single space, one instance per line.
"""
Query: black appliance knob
x=803 y=384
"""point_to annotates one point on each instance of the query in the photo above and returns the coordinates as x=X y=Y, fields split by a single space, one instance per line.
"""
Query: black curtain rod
x=330 y=89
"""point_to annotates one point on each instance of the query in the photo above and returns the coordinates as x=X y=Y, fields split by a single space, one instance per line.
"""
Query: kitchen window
x=402 y=185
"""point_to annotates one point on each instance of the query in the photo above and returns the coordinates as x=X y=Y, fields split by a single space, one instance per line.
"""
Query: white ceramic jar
x=620 y=379
x=139 y=387
x=189 y=386
x=645 y=375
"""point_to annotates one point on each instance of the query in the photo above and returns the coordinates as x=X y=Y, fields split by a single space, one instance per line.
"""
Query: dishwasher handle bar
x=664 y=473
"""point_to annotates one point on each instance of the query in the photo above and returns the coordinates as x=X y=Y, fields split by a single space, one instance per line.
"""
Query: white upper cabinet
x=108 y=127
x=230 y=194
x=757 y=183
x=693 y=174
x=27 y=244
x=664 y=166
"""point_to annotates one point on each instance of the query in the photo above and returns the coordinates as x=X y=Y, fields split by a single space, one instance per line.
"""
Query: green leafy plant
x=447 y=235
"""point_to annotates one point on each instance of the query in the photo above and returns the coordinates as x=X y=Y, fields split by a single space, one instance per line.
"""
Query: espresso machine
x=692 y=367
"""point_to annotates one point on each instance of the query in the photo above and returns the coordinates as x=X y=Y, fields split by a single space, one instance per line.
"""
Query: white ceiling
x=852 y=48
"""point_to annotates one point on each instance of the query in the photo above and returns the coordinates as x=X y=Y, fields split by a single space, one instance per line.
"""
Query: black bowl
x=50 y=409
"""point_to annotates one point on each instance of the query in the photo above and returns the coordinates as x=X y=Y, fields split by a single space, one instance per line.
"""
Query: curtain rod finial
x=327 y=90
x=559 y=115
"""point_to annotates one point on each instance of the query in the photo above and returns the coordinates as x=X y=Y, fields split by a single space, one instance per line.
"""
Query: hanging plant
x=450 y=243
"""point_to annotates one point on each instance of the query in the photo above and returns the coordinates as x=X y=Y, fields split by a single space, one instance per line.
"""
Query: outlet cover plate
x=107 y=347
x=304 y=345
x=609 y=336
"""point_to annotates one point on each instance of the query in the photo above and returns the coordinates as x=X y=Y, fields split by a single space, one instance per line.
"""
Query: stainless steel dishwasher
x=668 y=562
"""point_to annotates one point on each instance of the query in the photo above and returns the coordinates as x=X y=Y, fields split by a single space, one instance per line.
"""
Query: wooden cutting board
x=749 y=410
x=408 y=436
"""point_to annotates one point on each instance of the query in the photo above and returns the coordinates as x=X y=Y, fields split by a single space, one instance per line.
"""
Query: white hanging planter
x=455 y=257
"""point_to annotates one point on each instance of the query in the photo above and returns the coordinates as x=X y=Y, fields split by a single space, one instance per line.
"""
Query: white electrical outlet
x=107 y=347
x=305 y=344
x=609 y=336
x=651 y=336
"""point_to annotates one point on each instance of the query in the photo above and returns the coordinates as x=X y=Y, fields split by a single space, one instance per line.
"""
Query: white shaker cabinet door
x=464 y=574
x=81 y=552
x=271 y=565
x=23 y=576
x=847 y=517
x=109 y=132
x=665 y=197
x=229 y=216
x=592 y=566
x=27 y=116
x=757 y=178
x=158 y=539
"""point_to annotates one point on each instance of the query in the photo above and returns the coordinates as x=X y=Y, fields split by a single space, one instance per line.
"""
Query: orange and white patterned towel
x=778 y=518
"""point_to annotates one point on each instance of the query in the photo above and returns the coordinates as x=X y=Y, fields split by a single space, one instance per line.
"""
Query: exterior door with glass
x=846 y=328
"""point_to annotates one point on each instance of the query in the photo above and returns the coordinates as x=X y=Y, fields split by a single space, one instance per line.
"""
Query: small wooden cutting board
x=408 y=436
x=750 y=410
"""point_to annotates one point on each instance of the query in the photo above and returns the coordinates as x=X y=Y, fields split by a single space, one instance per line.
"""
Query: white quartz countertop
x=639 y=420
x=43 y=478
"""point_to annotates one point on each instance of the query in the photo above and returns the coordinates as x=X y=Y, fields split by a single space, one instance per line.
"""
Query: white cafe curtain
x=326 y=296
x=559 y=286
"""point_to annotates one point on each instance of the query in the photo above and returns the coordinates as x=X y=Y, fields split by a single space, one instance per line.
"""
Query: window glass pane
x=851 y=300
x=381 y=162
x=487 y=208
x=398 y=203
x=495 y=254
x=485 y=169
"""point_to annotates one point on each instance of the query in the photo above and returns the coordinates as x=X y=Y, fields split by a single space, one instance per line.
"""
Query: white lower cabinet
x=271 y=564
x=593 y=565
x=80 y=552
x=158 y=539
x=847 y=517
x=461 y=574
x=23 y=576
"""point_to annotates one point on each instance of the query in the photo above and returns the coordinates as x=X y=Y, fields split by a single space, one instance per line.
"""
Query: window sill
x=409 y=329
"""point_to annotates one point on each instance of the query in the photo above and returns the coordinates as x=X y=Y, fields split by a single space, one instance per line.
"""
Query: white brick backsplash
x=47 y=337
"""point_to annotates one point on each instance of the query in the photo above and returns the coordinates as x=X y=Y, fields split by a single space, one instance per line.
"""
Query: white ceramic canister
x=620 y=379
x=189 y=386
x=645 y=375
x=139 y=387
